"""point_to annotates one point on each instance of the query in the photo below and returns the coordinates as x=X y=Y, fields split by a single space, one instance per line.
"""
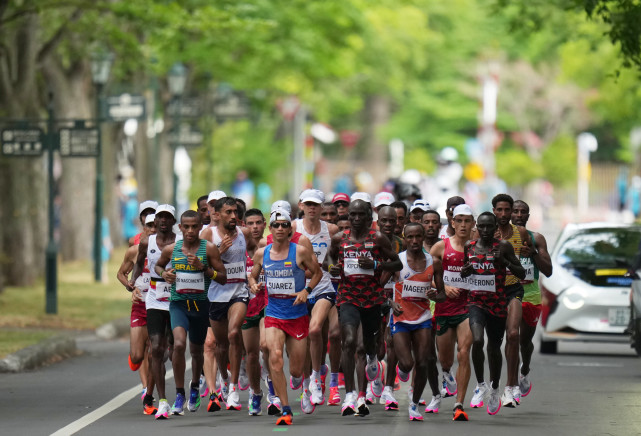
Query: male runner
x=157 y=301
x=203 y=210
x=329 y=212
x=342 y=203
x=401 y=217
x=138 y=357
x=342 y=223
x=359 y=255
x=452 y=202
x=418 y=208
x=431 y=221
x=145 y=208
x=486 y=260
x=194 y=263
x=534 y=259
x=452 y=324
x=320 y=302
x=229 y=301
x=411 y=322
x=518 y=237
x=286 y=319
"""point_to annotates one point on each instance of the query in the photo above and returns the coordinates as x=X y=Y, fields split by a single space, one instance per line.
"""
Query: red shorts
x=297 y=328
x=138 y=315
x=531 y=313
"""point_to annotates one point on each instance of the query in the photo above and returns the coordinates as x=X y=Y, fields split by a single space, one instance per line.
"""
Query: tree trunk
x=376 y=114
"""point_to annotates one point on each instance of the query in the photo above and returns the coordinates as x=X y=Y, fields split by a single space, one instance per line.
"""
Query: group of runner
x=375 y=285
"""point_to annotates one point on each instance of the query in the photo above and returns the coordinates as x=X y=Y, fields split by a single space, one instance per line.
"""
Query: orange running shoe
x=148 y=407
x=459 y=414
x=284 y=419
x=214 y=404
x=334 y=397
x=133 y=366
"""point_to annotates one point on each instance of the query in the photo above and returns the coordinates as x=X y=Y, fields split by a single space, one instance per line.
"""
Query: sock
x=148 y=399
x=333 y=380
x=180 y=391
x=361 y=394
x=306 y=383
x=316 y=375
x=324 y=369
x=287 y=409
x=457 y=405
x=271 y=387
x=195 y=385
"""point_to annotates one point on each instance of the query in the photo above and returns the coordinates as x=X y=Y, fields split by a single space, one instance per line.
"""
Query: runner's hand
x=169 y=275
x=467 y=270
x=526 y=250
x=397 y=309
x=498 y=257
x=335 y=270
x=365 y=263
x=431 y=293
x=136 y=296
x=301 y=297
x=194 y=261
x=255 y=288
x=225 y=244
x=452 y=292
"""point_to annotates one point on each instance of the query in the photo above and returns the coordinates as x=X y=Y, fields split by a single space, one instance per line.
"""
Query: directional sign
x=189 y=107
x=232 y=105
x=186 y=135
x=125 y=106
x=22 y=142
x=79 y=142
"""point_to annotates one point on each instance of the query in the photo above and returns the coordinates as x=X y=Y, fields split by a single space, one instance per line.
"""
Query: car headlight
x=573 y=299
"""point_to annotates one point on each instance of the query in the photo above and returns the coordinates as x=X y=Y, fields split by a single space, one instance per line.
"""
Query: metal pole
x=51 y=255
x=177 y=118
x=97 y=247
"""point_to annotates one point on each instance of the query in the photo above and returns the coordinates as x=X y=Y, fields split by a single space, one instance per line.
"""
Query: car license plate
x=619 y=317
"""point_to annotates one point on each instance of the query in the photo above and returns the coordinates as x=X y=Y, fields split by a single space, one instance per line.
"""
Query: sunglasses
x=284 y=225
x=341 y=203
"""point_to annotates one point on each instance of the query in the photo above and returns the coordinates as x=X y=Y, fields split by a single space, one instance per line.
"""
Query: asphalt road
x=585 y=389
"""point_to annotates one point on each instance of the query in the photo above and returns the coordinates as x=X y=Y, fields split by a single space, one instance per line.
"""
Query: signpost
x=79 y=141
x=27 y=141
x=185 y=135
x=185 y=107
x=125 y=106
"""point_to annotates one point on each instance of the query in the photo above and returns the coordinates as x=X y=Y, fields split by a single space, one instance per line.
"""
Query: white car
x=587 y=298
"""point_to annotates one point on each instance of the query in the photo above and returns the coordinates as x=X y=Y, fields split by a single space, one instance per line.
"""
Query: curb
x=58 y=348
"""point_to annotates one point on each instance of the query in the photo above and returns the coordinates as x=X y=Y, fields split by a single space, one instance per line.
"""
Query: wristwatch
x=308 y=289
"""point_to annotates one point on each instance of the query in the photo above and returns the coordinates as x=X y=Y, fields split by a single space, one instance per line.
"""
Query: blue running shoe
x=179 y=405
x=194 y=400
x=255 y=404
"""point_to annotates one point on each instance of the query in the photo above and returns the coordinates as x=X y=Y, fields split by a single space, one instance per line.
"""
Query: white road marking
x=592 y=364
x=113 y=404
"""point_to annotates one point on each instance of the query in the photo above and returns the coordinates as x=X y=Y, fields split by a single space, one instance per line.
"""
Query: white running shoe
x=480 y=392
x=243 y=379
x=372 y=369
x=275 y=406
x=361 y=407
x=369 y=395
x=316 y=392
x=449 y=383
x=233 y=399
x=525 y=385
x=224 y=385
x=507 y=399
x=306 y=404
x=377 y=387
x=516 y=393
x=349 y=404
x=202 y=387
x=493 y=402
x=434 y=405
x=163 y=410
x=415 y=415
x=387 y=398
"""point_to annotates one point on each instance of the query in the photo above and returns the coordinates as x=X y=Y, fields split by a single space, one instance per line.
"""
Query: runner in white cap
x=145 y=208
x=362 y=196
x=418 y=208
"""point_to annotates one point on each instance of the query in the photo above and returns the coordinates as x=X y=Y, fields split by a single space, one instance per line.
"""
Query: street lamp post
x=176 y=80
x=586 y=143
x=100 y=68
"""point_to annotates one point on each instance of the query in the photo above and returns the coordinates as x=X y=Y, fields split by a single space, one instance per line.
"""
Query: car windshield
x=614 y=247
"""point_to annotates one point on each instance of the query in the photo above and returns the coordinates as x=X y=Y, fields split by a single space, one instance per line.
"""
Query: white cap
x=313 y=195
x=279 y=215
x=216 y=195
x=166 y=208
x=281 y=204
x=362 y=196
x=383 y=199
x=150 y=218
x=420 y=204
x=149 y=204
x=463 y=209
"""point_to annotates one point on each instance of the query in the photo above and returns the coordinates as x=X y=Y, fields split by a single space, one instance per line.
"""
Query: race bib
x=142 y=282
x=163 y=291
x=236 y=272
x=454 y=279
x=526 y=262
x=351 y=268
x=281 y=286
x=482 y=283
x=415 y=290
x=190 y=283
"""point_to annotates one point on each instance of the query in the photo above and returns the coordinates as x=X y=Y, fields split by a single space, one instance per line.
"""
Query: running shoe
x=295 y=384
x=516 y=393
x=163 y=409
x=133 y=366
x=255 y=401
x=325 y=368
x=507 y=399
x=434 y=404
x=397 y=383
x=341 y=380
x=334 y=396
x=316 y=392
x=349 y=405
x=459 y=413
x=306 y=404
x=525 y=386
x=361 y=407
x=275 y=407
x=493 y=402
x=387 y=398
x=372 y=369
x=377 y=387
x=194 y=400
x=284 y=419
x=449 y=382
x=148 y=407
x=369 y=396
x=224 y=387
x=415 y=415
x=203 y=389
x=243 y=379
x=233 y=400
x=214 y=403
x=402 y=376
x=410 y=395
x=144 y=392
x=179 y=405
x=480 y=392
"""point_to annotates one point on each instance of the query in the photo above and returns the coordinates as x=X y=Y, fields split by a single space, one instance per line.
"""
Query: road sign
x=125 y=106
x=231 y=105
x=186 y=107
x=186 y=135
x=22 y=142
x=288 y=107
x=79 y=142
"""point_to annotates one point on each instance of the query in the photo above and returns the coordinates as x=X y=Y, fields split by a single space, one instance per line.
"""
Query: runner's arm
x=394 y=263
x=126 y=266
x=140 y=259
x=437 y=258
x=333 y=266
x=256 y=270
x=542 y=259
x=165 y=257
x=217 y=272
x=511 y=261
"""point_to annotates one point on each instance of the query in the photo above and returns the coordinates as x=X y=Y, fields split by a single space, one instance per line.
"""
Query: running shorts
x=444 y=323
x=514 y=291
x=531 y=313
x=297 y=328
x=253 y=321
x=191 y=315
x=494 y=325
x=218 y=311
x=138 y=315
x=329 y=296
x=403 y=327
x=369 y=318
